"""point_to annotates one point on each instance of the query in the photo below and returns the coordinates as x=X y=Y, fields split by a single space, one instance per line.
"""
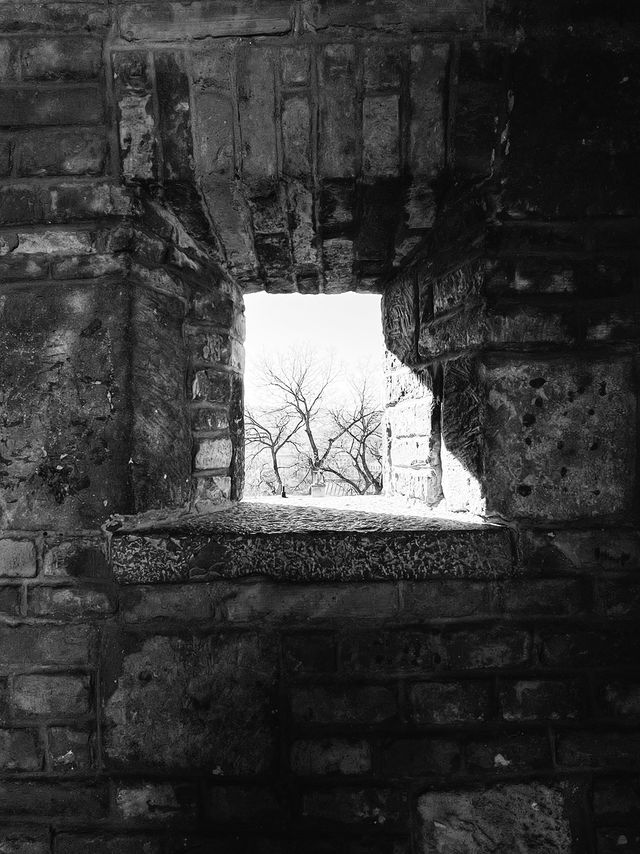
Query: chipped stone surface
x=516 y=817
x=308 y=543
x=213 y=694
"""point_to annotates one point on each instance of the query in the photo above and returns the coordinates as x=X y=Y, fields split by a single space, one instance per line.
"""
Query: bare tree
x=343 y=442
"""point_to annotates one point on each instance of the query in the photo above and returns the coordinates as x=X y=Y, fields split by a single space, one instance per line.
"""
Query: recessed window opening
x=314 y=408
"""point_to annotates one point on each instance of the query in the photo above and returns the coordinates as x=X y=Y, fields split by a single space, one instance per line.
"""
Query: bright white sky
x=346 y=328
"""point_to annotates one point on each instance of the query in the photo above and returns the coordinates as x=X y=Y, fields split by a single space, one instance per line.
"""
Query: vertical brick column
x=519 y=306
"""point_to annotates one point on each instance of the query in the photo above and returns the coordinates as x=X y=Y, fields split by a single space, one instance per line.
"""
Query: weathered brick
x=542 y=596
x=61 y=58
x=136 y=121
x=188 y=602
x=22 y=204
x=213 y=454
x=58 y=17
x=77 y=558
x=619 y=698
x=618 y=840
x=10 y=600
x=212 y=67
x=295 y=66
x=420 y=757
x=193 y=687
x=449 y=702
x=47 y=694
x=55 y=800
x=19 y=751
x=242 y=803
x=77 y=105
x=382 y=66
x=618 y=598
x=330 y=756
x=61 y=602
x=427 y=134
x=70 y=749
x=598 y=749
x=381 y=136
x=516 y=752
x=59 y=242
x=256 y=97
x=337 y=142
x=63 y=153
x=526 y=815
x=616 y=797
x=416 y=650
x=6 y=157
x=540 y=699
x=296 y=133
x=433 y=16
x=106 y=843
x=367 y=704
x=37 y=645
x=24 y=840
x=442 y=599
x=156 y=802
x=583 y=647
x=377 y=806
x=313 y=652
x=17 y=557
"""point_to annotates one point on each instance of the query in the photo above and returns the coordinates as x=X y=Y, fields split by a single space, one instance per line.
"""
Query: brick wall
x=337 y=716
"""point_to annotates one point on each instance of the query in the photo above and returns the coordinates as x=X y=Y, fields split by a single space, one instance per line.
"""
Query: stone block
x=24 y=646
x=17 y=558
x=256 y=96
x=193 y=688
x=296 y=137
x=619 y=598
x=427 y=131
x=460 y=649
x=616 y=797
x=55 y=800
x=174 y=119
x=440 y=598
x=330 y=756
x=337 y=131
x=136 y=120
x=303 y=235
x=24 y=840
x=58 y=17
x=564 y=431
x=547 y=597
x=212 y=67
x=206 y=419
x=213 y=454
x=593 y=749
x=242 y=803
x=295 y=66
x=70 y=602
x=399 y=312
x=516 y=752
x=89 y=266
x=144 y=21
x=213 y=127
x=66 y=106
x=618 y=840
x=619 y=698
x=23 y=267
x=540 y=699
x=44 y=694
x=420 y=757
x=75 y=58
x=108 y=843
x=10 y=600
x=66 y=435
x=19 y=751
x=584 y=647
x=338 y=258
x=78 y=558
x=383 y=65
x=311 y=652
x=70 y=749
x=450 y=702
x=355 y=806
x=381 y=136
x=528 y=814
x=368 y=704
x=435 y=15
x=164 y=803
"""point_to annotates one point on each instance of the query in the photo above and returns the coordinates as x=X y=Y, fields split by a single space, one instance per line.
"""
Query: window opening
x=313 y=396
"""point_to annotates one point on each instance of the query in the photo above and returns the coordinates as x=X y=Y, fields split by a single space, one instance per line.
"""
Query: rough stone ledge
x=306 y=543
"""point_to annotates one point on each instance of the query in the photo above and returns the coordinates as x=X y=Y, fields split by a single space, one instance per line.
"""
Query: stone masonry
x=180 y=673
